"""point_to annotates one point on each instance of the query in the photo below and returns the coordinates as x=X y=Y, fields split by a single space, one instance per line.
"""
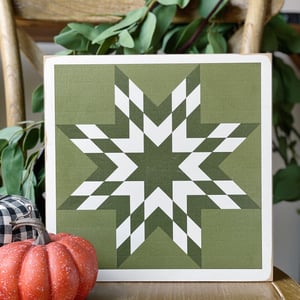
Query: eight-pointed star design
x=149 y=157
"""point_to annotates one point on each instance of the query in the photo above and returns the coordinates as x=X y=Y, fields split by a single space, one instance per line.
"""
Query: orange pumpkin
x=52 y=267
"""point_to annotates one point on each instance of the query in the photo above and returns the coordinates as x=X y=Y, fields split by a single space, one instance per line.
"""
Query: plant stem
x=43 y=237
x=282 y=155
x=296 y=132
x=152 y=5
x=202 y=25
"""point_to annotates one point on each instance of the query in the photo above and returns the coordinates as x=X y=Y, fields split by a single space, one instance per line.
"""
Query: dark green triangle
x=158 y=252
x=151 y=84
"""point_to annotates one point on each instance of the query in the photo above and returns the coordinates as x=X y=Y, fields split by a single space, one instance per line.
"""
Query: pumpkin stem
x=43 y=237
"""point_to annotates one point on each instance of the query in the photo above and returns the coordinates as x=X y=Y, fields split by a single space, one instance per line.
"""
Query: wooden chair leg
x=30 y=49
x=253 y=28
x=11 y=64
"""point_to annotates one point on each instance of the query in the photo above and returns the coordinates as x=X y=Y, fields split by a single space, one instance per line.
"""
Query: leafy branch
x=201 y=27
x=20 y=172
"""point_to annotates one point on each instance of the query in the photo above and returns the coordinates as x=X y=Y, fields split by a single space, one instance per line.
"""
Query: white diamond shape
x=179 y=237
x=86 y=146
x=87 y=188
x=92 y=131
x=229 y=187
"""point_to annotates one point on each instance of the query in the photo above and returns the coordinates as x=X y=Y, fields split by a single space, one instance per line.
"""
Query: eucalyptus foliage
x=21 y=160
x=150 y=29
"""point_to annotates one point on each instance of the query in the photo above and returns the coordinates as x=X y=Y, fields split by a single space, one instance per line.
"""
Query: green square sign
x=163 y=162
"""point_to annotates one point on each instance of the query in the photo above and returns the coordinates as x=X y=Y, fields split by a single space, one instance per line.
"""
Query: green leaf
x=130 y=20
x=217 y=42
x=64 y=52
x=164 y=17
x=209 y=49
x=187 y=32
x=202 y=41
x=143 y=42
x=206 y=7
x=193 y=50
x=31 y=139
x=87 y=30
x=72 y=39
x=277 y=84
x=289 y=39
x=41 y=179
x=269 y=41
x=3 y=144
x=31 y=159
x=28 y=186
x=180 y=3
x=290 y=81
x=106 y=46
x=37 y=99
x=12 y=168
x=283 y=147
x=11 y=134
x=170 y=39
x=42 y=132
x=286 y=184
x=125 y=39
x=3 y=190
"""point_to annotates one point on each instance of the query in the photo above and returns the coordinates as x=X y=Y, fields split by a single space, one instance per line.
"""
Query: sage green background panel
x=157 y=81
x=84 y=93
x=230 y=93
x=159 y=252
x=72 y=167
x=244 y=164
x=231 y=239
x=96 y=226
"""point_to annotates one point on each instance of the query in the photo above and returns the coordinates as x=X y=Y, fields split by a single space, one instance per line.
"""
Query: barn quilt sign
x=163 y=162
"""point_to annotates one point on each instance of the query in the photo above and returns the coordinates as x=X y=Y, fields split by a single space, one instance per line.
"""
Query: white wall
x=291 y=6
x=286 y=219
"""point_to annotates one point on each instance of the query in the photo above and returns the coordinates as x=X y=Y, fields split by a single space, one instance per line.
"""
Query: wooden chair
x=41 y=18
x=24 y=22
